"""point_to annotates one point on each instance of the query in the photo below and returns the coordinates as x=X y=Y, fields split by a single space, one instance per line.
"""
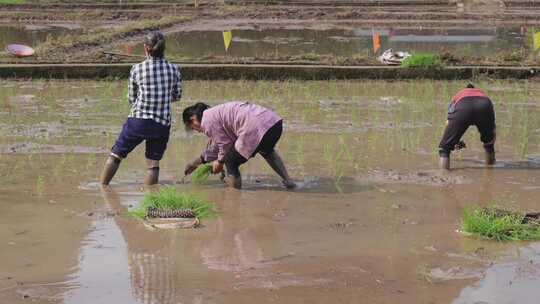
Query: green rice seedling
x=170 y=198
x=40 y=185
x=500 y=225
x=421 y=60
x=201 y=174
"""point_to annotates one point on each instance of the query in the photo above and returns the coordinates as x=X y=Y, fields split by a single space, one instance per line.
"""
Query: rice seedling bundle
x=501 y=225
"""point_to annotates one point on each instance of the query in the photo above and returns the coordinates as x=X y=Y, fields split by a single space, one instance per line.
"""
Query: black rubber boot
x=444 y=162
x=152 y=176
x=111 y=165
x=490 y=157
x=234 y=181
x=274 y=160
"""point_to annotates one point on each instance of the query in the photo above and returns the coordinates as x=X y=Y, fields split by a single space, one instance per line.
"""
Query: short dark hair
x=470 y=86
x=196 y=109
x=155 y=41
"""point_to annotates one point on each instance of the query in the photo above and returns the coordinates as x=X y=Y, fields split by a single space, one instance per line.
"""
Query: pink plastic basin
x=20 y=50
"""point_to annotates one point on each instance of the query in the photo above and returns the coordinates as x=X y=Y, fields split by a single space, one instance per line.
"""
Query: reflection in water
x=238 y=245
x=289 y=42
x=103 y=275
x=514 y=280
x=122 y=262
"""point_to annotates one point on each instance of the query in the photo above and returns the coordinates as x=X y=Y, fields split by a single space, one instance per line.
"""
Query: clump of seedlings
x=169 y=202
x=498 y=224
x=201 y=174
x=421 y=60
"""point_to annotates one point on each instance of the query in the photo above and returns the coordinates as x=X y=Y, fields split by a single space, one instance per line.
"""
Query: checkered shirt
x=153 y=85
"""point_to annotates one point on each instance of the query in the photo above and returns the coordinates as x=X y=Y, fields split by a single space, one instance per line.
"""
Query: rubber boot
x=111 y=165
x=152 y=176
x=274 y=160
x=444 y=162
x=490 y=157
x=234 y=182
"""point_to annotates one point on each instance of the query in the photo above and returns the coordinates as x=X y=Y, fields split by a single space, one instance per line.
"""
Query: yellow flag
x=227 y=38
x=536 y=40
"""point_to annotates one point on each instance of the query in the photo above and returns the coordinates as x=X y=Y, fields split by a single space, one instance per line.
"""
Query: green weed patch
x=422 y=61
x=500 y=225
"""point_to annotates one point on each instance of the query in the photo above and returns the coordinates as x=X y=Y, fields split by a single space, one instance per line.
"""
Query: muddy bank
x=269 y=72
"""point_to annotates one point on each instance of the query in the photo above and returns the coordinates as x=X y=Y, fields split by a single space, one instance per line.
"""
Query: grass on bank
x=420 y=60
x=58 y=45
x=170 y=198
x=12 y=1
x=500 y=225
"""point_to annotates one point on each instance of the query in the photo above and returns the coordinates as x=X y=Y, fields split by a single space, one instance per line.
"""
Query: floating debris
x=390 y=57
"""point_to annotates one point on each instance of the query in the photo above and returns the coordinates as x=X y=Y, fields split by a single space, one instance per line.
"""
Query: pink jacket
x=238 y=124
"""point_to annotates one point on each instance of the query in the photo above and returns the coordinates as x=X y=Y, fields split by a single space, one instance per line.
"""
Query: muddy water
x=31 y=34
x=373 y=220
x=279 y=43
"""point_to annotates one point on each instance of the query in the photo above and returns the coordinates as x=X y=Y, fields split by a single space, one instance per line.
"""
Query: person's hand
x=217 y=167
x=190 y=167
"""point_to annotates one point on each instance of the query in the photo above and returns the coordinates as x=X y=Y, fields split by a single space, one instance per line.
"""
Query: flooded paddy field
x=276 y=43
x=462 y=32
x=373 y=220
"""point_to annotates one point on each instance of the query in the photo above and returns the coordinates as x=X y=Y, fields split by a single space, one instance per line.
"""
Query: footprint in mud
x=342 y=227
x=311 y=184
x=428 y=177
x=511 y=279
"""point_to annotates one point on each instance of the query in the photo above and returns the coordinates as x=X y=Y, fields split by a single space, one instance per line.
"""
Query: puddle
x=280 y=43
x=31 y=35
x=512 y=280
x=364 y=155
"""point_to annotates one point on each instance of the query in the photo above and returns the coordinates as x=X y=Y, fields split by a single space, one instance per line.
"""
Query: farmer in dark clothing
x=469 y=107
x=153 y=85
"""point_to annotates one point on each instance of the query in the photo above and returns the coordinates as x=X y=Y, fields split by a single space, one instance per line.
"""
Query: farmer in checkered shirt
x=153 y=85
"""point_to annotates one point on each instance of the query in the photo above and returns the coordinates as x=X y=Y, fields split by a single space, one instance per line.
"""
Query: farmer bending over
x=153 y=85
x=237 y=131
x=469 y=107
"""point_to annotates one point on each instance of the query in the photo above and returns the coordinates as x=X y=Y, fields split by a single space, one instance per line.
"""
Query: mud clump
x=429 y=178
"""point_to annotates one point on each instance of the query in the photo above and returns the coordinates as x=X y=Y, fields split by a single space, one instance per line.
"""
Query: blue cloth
x=135 y=130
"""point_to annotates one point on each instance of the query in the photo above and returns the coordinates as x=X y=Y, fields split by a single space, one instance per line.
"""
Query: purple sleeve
x=221 y=142
x=210 y=153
